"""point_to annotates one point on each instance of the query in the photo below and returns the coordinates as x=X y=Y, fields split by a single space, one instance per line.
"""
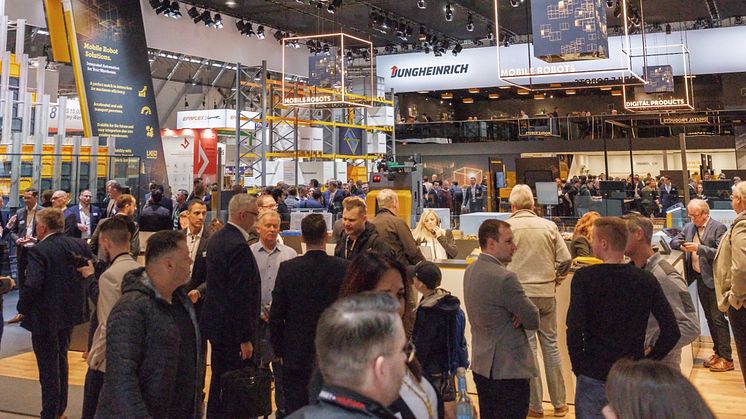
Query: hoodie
x=430 y=334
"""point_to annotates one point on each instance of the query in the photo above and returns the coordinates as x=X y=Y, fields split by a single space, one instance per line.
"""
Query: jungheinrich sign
x=438 y=70
x=685 y=120
x=112 y=74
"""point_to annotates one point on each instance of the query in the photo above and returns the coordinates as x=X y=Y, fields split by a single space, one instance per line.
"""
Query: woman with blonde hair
x=429 y=233
x=581 y=237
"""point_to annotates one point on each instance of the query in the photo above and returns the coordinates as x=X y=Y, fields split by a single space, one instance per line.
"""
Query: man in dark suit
x=86 y=215
x=23 y=233
x=232 y=302
x=154 y=216
x=305 y=286
x=699 y=239
x=333 y=197
x=474 y=196
x=197 y=236
x=499 y=313
x=668 y=194
x=59 y=201
x=114 y=190
x=52 y=300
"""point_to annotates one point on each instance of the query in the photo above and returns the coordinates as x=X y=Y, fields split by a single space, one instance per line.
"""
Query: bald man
x=59 y=201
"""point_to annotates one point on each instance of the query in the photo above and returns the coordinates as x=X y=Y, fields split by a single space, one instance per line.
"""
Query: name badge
x=95 y=214
x=204 y=254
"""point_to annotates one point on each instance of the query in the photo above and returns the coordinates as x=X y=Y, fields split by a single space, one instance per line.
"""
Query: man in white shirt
x=269 y=254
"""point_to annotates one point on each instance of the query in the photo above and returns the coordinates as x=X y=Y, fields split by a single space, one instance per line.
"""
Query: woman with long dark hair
x=372 y=271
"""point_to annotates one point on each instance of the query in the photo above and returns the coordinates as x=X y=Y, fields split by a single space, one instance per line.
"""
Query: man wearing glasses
x=362 y=353
x=264 y=203
x=232 y=302
x=699 y=240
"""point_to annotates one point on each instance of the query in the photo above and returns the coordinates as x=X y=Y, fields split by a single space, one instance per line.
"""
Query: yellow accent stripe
x=56 y=28
x=72 y=40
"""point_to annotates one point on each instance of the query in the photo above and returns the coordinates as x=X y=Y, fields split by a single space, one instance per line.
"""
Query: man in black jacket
x=232 y=302
x=359 y=235
x=52 y=301
x=305 y=286
x=152 y=342
x=23 y=233
x=154 y=216
x=362 y=350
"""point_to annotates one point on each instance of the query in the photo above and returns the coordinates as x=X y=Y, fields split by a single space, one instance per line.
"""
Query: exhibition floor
x=724 y=392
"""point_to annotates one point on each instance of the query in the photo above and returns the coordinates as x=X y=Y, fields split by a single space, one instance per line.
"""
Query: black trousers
x=295 y=387
x=716 y=321
x=502 y=399
x=22 y=261
x=94 y=380
x=224 y=358
x=51 y=358
x=738 y=323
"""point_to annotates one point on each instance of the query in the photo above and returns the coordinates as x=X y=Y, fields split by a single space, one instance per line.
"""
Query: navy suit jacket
x=53 y=296
x=710 y=240
x=95 y=217
x=232 y=302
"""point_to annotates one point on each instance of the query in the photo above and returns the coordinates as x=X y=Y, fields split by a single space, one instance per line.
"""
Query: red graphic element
x=393 y=70
x=185 y=144
x=206 y=156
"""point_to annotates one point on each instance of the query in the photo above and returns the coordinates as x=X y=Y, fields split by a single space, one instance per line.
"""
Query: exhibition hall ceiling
x=306 y=17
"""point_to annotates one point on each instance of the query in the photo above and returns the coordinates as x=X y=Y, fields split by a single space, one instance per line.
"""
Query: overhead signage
x=568 y=31
x=438 y=70
x=214 y=118
x=704 y=59
x=329 y=84
x=112 y=73
x=660 y=79
x=73 y=117
x=685 y=120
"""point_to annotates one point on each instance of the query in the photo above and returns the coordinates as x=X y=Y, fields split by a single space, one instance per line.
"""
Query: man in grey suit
x=700 y=239
x=499 y=314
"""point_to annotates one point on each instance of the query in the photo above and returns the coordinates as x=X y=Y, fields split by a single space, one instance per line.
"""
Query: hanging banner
x=112 y=74
x=350 y=141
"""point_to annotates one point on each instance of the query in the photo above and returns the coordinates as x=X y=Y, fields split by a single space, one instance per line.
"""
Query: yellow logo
x=152 y=154
x=146 y=111
x=143 y=92
x=149 y=131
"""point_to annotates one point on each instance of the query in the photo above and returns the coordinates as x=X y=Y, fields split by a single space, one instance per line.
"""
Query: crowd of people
x=650 y=195
x=345 y=335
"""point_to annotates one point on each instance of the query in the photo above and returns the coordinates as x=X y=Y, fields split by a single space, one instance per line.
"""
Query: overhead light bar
x=570 y=92
x=494 y=96
x=467 y=100
x=446 y=95
x=605 y=88
x=473 y=90
x=616 y=92
x=540 y=96
x=523 y=92
x=504 y=87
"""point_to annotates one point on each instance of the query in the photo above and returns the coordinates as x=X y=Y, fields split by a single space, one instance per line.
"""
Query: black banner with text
x=112 y=72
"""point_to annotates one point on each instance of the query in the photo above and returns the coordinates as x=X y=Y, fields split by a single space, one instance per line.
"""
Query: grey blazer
x=710 y=240
x=493 y=295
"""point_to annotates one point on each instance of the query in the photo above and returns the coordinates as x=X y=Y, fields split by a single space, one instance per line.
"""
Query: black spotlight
x=348 y=57
x=217 y=21
x=333 y=5
x=240 y=25
x=490 y=33
x=421 y=4
x=457 y=49
x=449 y=12
x=470 y=24
x=514 y=3
x=279 y=35
x=155 y=3
x=193 y=13
x=668 y=29
x=248 y=30
x=609 y=3
x=260 y=32
x=175 y=10
x=164 y=7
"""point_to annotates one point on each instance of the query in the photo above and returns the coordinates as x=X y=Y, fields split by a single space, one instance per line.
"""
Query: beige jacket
x=541 y=253
x=110 y=289
x=730 y=266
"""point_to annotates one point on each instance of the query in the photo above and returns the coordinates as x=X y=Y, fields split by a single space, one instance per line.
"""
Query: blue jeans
x=590 y=398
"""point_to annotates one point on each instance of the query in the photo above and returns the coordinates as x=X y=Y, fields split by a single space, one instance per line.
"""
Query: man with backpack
x=438 y=331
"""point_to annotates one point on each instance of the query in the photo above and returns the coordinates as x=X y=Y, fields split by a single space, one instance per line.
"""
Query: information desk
x=453 y=281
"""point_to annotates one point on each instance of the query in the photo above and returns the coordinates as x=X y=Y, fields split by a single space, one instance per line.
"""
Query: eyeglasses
x=274 y=207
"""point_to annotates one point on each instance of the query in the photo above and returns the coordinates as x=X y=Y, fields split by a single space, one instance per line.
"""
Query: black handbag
x=247 y=392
